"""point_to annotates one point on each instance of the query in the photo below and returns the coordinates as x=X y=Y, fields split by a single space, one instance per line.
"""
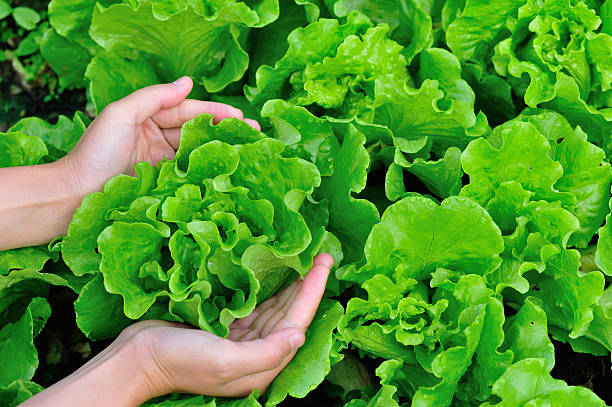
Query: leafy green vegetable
x=16 y=340
x=339 y=72
x=312 y=362
x=216 y=235
x=18 y=392
x=480 y=129
x=26 y=17
x=5 y=9
x=473 y=248
x=59 y=138
x=66 y=57
x=528 y=382
x=157 y=42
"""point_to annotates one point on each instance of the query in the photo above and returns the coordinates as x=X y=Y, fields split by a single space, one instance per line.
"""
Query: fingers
x=271 y=317
x=175 y=116
x=323 y=259
x=305 y=305
x=173 y=137
x=253 y=123
x=245 y=385
x=291 y=301
x=275 y=301
x=142 y=104
x=263 y=354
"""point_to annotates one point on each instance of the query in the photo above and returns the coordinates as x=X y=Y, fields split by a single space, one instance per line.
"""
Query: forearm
x=113 y=378
x=36 y=204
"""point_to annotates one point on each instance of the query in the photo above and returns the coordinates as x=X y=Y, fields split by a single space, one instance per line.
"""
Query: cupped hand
x=143 y=126
x=181 y=359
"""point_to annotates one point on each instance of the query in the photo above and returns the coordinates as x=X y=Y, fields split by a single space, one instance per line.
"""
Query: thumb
x=268 y=353
x=143 y=103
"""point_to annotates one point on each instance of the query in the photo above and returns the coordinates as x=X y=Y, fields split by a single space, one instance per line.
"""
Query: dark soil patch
x=583 y=369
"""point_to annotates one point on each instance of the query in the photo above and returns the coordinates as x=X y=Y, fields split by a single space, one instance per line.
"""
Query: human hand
x=143 y=126
x=39 y=201
x=258 y=347
x=153 y=358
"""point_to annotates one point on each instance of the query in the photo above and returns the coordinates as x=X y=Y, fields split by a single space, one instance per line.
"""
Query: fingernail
x=296 y=340
x=253 y=124
x=181 y=81
x=324 y=259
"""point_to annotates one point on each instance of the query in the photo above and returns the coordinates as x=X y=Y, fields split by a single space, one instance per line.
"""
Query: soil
x=583 y=369
x=18 y=100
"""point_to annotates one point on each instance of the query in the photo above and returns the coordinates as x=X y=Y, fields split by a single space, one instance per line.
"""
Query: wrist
x=144 y=355
x=130 y=359
x=112 y=378
x=37 y=204
x=65 y=172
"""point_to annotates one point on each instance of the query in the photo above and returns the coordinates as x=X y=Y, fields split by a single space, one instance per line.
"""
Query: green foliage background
x=453 y=156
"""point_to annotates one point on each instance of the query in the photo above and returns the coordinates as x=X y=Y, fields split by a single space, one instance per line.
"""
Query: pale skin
x=152 y=358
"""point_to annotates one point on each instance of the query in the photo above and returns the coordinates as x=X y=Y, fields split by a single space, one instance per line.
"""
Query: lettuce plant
x=453 y=157
x=218 y=228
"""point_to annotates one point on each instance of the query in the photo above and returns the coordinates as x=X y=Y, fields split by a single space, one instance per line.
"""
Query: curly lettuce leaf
x=59 y=138
x=398 y=312
x=28 y=259
x=332 y=65
x=19 y=326
x=21 y=149
x=409 y=24
x=479 y=25
x=312 y=362
x=343 y=167
x=72 y=19
x=603 y=255
x=598 y=339
x=524 y=154
x=452 y=344
x=580 y=292
x=528 y=383
x=439 y=64
x=549 y=38
x=218 y=230
x=383 y=398
x=293 y=14
x=526 y=333
x=94 y=301
x=351 y=219
x=18 y=392
x=151 y=48
x=442 y=177
x=429 y=125
x=554 y=59
x=585 y=174
x=468 y=365
x=414 y=114
x=419 y=236
x=22 y=276
x=596 y=123
x=67 y=58
x=304 y=135
x=541 y=152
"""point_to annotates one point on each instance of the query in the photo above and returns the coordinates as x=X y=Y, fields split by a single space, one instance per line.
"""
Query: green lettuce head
x=558 y=58
x=201 y=238
x=122 y=46
x=553 y=38
x=547 y=188
x=332 y=65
